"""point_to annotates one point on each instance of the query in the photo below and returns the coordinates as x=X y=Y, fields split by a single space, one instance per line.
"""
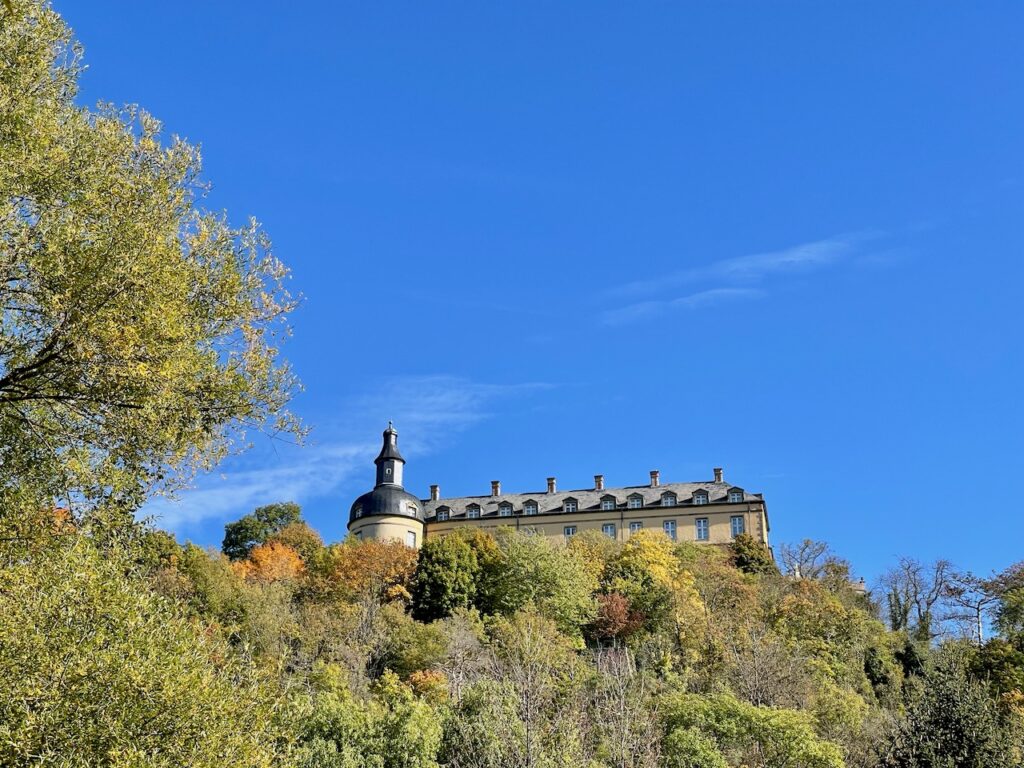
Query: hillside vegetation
x=125 y=648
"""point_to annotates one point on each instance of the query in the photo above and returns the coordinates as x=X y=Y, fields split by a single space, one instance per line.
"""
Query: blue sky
x=570 y=238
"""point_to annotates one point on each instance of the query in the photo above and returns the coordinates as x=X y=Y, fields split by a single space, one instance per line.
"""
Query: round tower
x=388 y=512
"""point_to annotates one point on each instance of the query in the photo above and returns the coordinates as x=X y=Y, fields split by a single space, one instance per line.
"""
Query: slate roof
x=588 y=499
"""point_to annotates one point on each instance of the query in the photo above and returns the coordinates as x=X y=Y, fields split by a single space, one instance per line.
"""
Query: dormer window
x=505 y=510
x=570 y=505
x=700 y=497
x=530 y=508
x=608 y=503
x=668 y=500
x=736 y=495
x=410 y=509
x=473 y=511
x=357 y=512
x=635 y=501
x=442 y=514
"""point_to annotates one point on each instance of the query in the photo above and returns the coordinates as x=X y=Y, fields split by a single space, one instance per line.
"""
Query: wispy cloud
x=644 y=310
x=428 y=410
x=730 y=279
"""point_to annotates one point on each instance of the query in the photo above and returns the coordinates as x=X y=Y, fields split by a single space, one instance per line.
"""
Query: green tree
x=98 y=670
x=446 y=577
x=752 y=556
x=952 y=723
x=248 y=532
x=140 y=333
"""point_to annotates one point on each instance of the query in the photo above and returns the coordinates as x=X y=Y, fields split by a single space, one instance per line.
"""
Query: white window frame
x=442 y=515
x=569 y=531
x=530 y=509
x=473 y=513
x=668 y=500
x=635 y=502
x=702 y=526
x=608 y=505
x=410 y=539
x=636 y=526
x=505 y=510
x=742 y=525
x=608 y=529
x=735 y=496
x=670 y=528
x=700 y=499
x=571 y=506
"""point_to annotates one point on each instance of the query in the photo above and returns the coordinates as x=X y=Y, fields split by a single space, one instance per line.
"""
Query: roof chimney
x=551 y=485
x=655 y=478
x=435 y=492
x=718 y=475
x=598 y=482
x=495 y=487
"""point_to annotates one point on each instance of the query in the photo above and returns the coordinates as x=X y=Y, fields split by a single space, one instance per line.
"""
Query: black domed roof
x=386 y=500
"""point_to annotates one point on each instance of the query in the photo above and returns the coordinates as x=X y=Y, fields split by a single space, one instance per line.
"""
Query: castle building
x=712 y=512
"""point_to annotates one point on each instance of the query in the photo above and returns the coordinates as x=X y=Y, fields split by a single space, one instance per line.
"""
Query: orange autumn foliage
x=354 y=568
x=269 y=562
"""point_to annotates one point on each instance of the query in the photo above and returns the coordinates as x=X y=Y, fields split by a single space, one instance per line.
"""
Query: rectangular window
x=668 y=501
x=700 y=499
x=670 y=528
x=636 y=525
x=635 y=502
x=505 y=511
x=473 y=513
x=530 y=509
x=607 y=504
x=569 y=530
x=442 y=516
x=701 y=524
x=738 y=525
x=410 y=539
x=570 y=506
x=608 y=529
x=736 y=496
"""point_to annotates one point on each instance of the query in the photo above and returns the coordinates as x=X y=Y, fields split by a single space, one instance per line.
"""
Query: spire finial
x=390 y=424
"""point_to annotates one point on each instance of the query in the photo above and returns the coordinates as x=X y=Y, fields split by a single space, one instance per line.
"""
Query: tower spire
x=389 y=462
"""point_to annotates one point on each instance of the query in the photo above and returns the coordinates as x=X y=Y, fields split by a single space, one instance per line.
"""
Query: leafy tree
x=532 y=570
x=446 y=577
x=354 y=569
x=98 y=670
x=300 y=537
x=751 y=556
x=241 y=536
x=749 y=735
x=953 y=723
x=271 y=562
x=139 y=338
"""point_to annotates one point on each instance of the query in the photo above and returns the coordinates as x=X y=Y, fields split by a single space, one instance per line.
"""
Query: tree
x=751 y=556
x=953 y=723
x=271 y=562
x=140 y=333
x=99 y=670
x=914 y=592
x=352 y=570
x=447 y=573
x=300 y=537
x=256 y=528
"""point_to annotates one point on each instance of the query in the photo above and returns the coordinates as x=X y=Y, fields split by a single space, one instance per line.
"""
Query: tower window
x=410 y=539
